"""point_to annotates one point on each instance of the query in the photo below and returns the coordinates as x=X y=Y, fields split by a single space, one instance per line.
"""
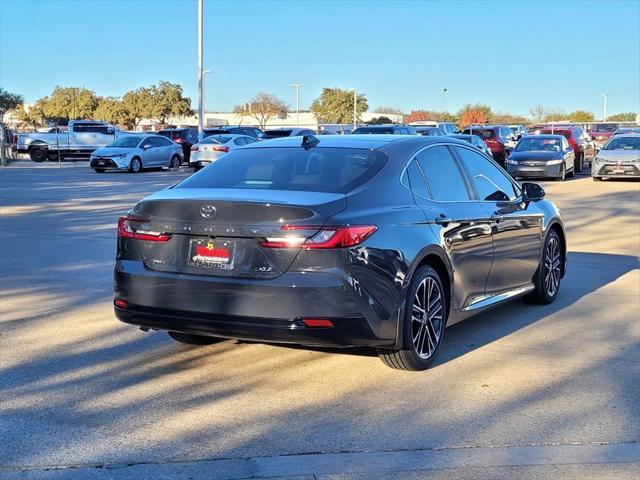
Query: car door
x=516 y=226
x=166 y=150
x=151 y=153
x=443 y=193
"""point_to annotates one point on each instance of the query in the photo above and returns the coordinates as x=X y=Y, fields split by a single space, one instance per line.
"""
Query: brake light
x=220 y=149
x=194 y=148
x=325 y=237
x=129 y=227
x=317 y=322
x=120 y=303
x=179 y=140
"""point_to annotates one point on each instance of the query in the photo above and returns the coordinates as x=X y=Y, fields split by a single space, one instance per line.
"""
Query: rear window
x=606 y=128
x=483 y=133
x=564 y=133
x=334 y=170
x=218 y=138
x=277 y=133
x=365 y=130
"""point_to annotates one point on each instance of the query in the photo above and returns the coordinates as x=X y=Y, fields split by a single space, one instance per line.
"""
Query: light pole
x=355 y=108
x=604 y=116
x=297 y=85
x=204 y=91
x=444 y=97
x=200 y=74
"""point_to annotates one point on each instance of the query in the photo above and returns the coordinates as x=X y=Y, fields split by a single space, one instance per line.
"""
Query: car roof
x=366 y=141
x=545 y=135
x=230 y=135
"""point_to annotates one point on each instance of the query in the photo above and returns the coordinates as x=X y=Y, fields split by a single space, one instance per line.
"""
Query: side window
x=151 y=141
x=85 y=128
x=240 y=141
x=444 y=179
x=249 y=140
x=416 y=180
x=162 y=142
x=491 y=183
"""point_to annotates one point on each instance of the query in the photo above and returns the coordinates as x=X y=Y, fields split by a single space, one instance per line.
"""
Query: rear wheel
x=547 y=277
x=424 y=321
x=175 y=162
x=136 y=165
x=38 y=154
x=597 y=179
x=193 y=339
x=578 y=163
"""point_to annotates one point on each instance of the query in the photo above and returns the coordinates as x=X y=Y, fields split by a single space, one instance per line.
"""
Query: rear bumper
x=262 y=310
x=537 y=171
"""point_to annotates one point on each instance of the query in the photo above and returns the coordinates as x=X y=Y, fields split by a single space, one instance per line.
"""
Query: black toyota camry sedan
x=367 y=240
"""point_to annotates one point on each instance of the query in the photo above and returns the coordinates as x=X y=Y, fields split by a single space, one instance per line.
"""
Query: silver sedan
x=135 y=152
x=214 y=146
x=619 y=157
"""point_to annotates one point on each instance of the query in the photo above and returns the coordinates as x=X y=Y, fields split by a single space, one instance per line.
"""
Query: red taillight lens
x=325 y=237
x=15 y=138
x=120 y=303
x=221 y=149
x=194 y=148
x=179 y=140
x=317 y=322
x=129 y=227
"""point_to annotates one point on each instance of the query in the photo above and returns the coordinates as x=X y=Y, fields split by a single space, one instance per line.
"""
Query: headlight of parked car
x=120 y=155
x=554 y=162
x=512 y=162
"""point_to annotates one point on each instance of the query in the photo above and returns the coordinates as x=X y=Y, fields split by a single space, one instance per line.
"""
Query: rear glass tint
x=379 y=130
x=277 y=133
x=335 y=170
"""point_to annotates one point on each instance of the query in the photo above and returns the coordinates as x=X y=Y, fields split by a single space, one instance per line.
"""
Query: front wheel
x=549 y=273
x=597 y=179
x=424 y=320
x=563 y=173
x=193 y=339
x=136 y=165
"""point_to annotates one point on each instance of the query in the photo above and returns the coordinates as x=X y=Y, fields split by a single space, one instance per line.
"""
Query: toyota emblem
x=208 y=211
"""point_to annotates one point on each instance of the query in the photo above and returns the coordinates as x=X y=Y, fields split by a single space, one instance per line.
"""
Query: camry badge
x=208 y=211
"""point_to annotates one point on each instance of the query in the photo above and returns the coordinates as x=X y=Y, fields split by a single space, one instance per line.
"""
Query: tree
x=29 y=118
x=475 y=114
x=381 y=120
x=581 y=116
x=422 y=115
x=138 y=105
x=112 y=110
x=508 y=119
x=262 y=107
x=8 y=101
x=538 y=113
x=169 y=102
x=68 y=103
x=623 y=117
x=335 y=105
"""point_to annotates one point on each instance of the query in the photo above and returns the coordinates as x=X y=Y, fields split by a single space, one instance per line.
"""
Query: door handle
x=442 y=220
x=496 y=218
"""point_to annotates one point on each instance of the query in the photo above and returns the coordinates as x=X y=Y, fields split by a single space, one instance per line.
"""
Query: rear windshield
x=335 y=170
x=483 y=133
x=277 y=133
x=218 y=138
x=623 y=143
x=606 y=128
x=366 y=130
x=564 y=133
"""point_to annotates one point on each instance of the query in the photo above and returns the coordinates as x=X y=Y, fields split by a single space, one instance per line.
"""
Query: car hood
x=540 y=156
x=618 y=155
x=110 y=152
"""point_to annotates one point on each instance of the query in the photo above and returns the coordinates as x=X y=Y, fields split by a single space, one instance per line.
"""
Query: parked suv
x=578 y=140
x=249 y=131
x=497 y=137
x=184 y=136
x=385 y=129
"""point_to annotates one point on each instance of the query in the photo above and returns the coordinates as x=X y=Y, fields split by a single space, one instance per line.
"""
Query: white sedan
x=215 y=146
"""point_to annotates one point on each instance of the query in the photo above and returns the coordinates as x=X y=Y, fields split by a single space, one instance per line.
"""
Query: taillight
x=194 y=148
x=220 y=149
x=129 y=227
x=15 y=138
x=325 y=237
x=179 y=140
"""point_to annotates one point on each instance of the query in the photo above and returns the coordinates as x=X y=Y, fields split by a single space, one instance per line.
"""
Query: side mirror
x=110 y=131
x=532 y=192
x=146 y=147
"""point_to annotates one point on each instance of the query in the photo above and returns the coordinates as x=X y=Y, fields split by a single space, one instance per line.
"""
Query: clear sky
x=509 y=54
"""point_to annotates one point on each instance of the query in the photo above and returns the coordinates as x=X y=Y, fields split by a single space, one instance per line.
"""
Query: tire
x=99 y=170
x=425 y=288
x=563 y=175
x=549 y=272
x=38 y=154
x=136 y=165
x=597 y=179
x=175 y=162
x=578 y=164
x=193 y=339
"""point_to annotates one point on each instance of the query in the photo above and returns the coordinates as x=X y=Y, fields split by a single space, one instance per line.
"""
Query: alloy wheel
x=427 y=318
x=552 y=267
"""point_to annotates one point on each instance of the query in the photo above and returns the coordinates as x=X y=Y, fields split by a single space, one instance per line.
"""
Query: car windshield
x=623 y=143
x=126 y=142
x=483 y=133
x=622 y=131
x=217 y=139
x=538 y=144
x=605 y=128
x=365 y=130
x=336 y=170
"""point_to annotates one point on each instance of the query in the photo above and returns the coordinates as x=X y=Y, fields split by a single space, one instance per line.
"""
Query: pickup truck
x=80 y=138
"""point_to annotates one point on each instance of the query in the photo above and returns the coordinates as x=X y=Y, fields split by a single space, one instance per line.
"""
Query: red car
x=602 y=132
x=578 y=140
x=497 y=138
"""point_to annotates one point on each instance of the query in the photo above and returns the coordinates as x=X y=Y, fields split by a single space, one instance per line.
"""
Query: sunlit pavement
x=523 y=391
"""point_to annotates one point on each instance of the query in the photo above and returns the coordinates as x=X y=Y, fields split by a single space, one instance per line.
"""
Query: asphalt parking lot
x=523 y=391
